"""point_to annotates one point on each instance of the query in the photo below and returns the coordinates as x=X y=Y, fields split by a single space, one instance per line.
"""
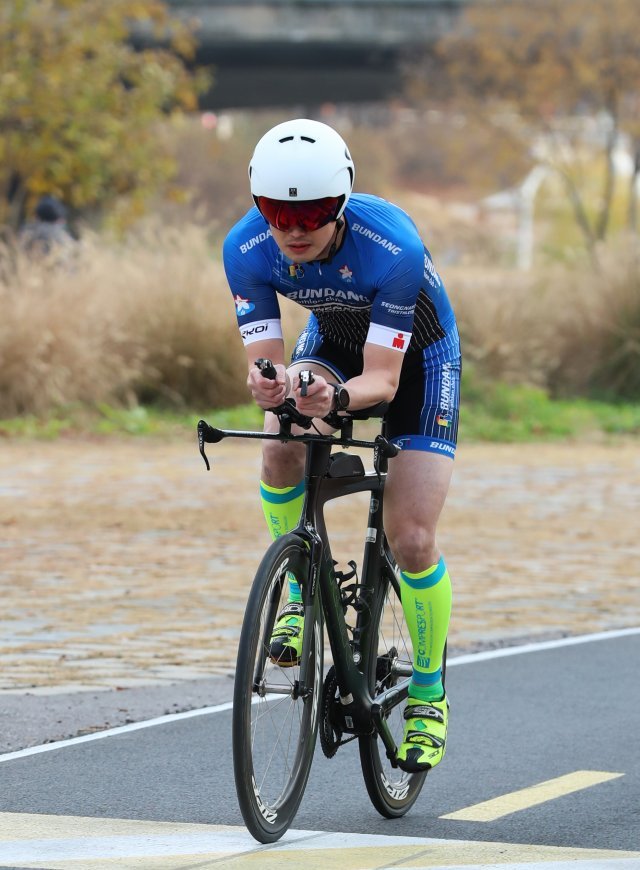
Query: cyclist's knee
x=282 y=464
x=414 y=547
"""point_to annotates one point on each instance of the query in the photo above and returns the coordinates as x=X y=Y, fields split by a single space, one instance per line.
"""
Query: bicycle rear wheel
x=275 y=719
x=388 y=655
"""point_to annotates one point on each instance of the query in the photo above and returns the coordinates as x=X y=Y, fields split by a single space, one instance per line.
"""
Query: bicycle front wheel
x=275 y=716
x=389 y=660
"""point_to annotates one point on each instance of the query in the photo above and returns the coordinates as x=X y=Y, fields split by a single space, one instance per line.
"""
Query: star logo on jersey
x=346 y=273
x=243 y=306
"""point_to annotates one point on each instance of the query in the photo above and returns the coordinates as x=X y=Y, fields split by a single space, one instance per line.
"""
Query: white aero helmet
x=302 y=160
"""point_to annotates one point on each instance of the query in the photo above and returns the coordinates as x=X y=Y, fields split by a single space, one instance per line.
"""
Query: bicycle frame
x=362 y=713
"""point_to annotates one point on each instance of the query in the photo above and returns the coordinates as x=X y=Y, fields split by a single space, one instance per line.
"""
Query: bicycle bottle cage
x=343 y=576
x=351 y=594
x=345 y=465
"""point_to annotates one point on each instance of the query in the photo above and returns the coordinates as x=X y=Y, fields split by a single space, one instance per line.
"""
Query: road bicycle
x=277 y=711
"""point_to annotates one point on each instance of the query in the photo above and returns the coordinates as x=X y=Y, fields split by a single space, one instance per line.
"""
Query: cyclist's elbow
x=388 y=391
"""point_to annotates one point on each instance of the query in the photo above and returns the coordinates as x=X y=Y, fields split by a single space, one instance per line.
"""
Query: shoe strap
x=423 y=738
x=293 y=608
x=423 y=711
x=285 y=631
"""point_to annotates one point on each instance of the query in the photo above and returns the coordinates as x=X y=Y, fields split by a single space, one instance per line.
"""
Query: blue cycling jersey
x=380 y=286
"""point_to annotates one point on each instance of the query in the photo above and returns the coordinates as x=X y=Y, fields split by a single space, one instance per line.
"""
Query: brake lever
x=210 y=435
x=201 y=425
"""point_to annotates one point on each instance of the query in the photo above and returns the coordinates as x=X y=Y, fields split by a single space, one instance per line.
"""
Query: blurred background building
x=280 y=53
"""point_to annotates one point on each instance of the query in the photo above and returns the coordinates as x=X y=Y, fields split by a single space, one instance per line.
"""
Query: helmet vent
x=286 y=139
x=307 y=139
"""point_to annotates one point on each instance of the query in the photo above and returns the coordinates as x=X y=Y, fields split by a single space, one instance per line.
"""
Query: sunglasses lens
x=310 y=215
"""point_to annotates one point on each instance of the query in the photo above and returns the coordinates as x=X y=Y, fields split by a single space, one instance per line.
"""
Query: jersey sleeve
x=256 y=300
x=394 y=304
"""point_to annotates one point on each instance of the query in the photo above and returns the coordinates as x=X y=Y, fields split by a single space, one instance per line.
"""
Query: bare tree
x=558 y=78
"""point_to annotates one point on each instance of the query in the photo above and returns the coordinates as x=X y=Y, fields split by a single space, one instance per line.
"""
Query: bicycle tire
x=387 y=650
x=274 y=728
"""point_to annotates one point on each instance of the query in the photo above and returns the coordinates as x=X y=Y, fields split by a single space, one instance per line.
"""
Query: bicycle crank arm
x=390 y=698
x=380 y=723
x=380 y=710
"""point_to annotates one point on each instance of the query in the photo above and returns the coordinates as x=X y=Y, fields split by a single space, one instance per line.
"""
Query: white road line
x=114 y=732
x=470 y=658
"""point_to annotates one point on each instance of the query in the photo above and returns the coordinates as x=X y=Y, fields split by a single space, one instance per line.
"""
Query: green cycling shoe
x=425 y=735
x=285 y=648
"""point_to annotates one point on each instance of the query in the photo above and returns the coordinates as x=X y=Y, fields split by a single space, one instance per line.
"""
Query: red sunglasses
x=310 y=214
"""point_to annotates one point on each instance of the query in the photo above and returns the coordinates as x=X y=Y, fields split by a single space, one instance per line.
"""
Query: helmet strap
x=337 y=241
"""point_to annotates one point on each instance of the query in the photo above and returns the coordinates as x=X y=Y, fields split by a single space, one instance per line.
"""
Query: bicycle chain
x=330 y=732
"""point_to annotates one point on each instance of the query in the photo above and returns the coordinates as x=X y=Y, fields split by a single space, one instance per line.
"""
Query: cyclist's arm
x=377 y=383
x=379 y=379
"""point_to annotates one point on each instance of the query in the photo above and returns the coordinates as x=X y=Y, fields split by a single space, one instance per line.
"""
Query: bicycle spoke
x=274 y=730
x=390 y=655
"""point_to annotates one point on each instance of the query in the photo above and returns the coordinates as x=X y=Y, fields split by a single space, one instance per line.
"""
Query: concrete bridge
x=282 y=53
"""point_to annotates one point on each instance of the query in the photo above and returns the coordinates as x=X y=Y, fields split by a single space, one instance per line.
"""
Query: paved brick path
x=123 y=563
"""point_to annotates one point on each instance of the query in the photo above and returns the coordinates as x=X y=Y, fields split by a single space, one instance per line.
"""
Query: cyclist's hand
x=268 y=393
x=318 y=401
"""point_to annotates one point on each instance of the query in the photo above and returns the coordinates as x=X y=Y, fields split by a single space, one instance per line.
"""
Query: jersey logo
x=442 y=421
x=377 y=238
x=430 y=273
x=346 y=273
x=243 y=306
x=245 y=247
x=260 y=330
x=296 y=271
x=385 y=336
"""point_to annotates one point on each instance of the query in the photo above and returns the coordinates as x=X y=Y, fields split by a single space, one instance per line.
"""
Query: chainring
x=330 y=732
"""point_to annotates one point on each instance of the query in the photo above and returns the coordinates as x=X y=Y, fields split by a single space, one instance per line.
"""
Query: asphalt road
x=567 y=715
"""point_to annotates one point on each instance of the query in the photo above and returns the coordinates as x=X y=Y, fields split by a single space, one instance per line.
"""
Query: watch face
x=342 y=397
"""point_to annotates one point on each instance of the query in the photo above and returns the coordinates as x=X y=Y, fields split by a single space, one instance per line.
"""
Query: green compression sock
x=282 y=509
x=426 y=602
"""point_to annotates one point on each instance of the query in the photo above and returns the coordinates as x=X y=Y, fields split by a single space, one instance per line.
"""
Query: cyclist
x=47 y=234
x=381 y=328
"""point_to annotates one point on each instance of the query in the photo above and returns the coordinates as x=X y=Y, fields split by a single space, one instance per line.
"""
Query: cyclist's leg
x=416 y=490
x=282 y=484
x=282 y=495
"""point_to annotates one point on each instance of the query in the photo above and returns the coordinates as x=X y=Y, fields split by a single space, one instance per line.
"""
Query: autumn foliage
x=556 y=80
x=79 y=103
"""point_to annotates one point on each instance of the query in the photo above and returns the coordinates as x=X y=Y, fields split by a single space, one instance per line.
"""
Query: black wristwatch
x=341 y=397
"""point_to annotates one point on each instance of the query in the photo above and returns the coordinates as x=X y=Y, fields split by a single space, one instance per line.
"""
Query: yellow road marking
x=69 y=842
x=489 y=811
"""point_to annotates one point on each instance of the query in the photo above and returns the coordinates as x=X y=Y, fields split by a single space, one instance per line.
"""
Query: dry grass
x=574 y=331
x=145 y=320
x=150 y=320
